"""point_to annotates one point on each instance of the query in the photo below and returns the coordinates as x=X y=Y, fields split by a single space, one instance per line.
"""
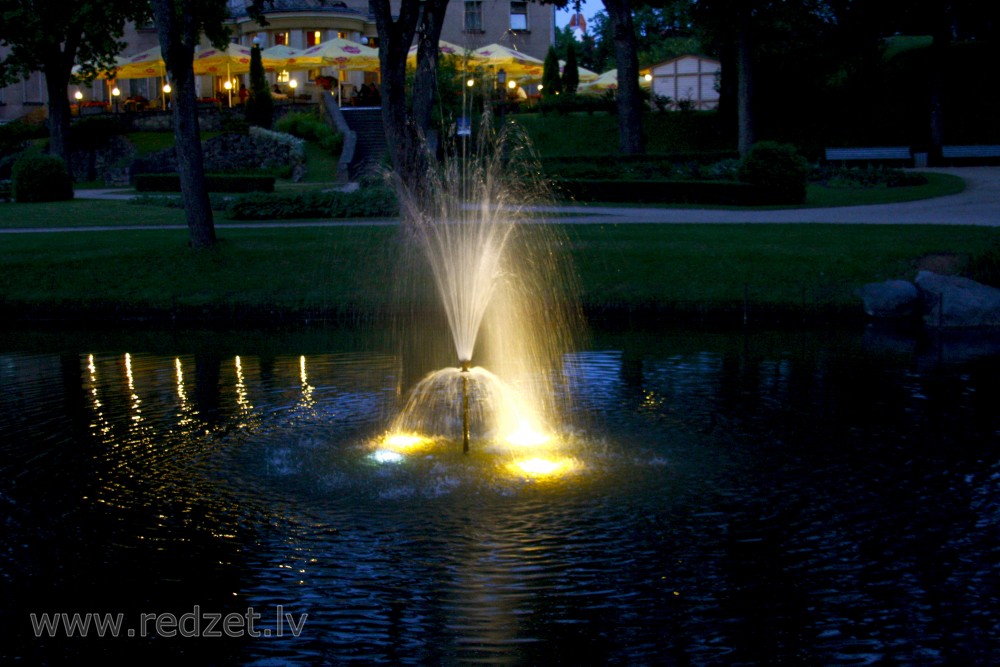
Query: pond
x=728 y=497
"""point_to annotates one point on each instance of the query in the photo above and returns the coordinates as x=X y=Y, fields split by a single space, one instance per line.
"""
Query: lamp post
x=166 y=91
x=79 y=102
x=115 y=94
x=292 y=85
x=228 y=85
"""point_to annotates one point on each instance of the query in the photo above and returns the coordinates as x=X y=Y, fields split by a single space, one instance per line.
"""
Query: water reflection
x=718 y=498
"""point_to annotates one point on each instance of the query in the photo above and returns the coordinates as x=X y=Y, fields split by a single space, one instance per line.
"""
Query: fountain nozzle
x=464 y=365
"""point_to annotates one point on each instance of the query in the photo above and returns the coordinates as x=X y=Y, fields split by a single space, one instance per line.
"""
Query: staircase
x=370 y=146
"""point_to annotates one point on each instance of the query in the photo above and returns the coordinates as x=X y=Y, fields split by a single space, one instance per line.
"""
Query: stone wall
x=261 y=149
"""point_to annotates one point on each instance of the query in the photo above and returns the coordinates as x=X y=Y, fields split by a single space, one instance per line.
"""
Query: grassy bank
x=697 y=270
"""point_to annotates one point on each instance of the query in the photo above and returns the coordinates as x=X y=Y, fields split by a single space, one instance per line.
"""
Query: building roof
x=238 y=8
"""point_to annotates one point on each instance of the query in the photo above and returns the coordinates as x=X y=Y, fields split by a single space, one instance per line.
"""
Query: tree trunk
x=630 y=136
x=938 y=71
x=744 y=92
x=178 y=36
x=56 y=84
x=425 y=81
x=406 y=147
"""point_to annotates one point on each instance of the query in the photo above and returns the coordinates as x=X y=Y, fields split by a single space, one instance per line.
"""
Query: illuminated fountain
x=506 y=295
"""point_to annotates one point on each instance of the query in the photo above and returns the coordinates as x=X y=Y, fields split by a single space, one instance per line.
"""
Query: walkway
x=979 y=204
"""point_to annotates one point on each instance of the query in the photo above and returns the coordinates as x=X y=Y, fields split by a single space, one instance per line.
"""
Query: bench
x=876 y=154
x=979 y=152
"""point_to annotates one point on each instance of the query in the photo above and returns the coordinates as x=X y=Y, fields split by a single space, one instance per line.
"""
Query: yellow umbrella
x=340 y=54
x=609 y=81
x=234 y=59
x=444 y=49
x=586 y=76
x=148 y=63
x=281 y=57
x=515 y=63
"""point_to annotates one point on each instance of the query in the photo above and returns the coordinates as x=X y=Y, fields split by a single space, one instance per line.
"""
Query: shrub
x=778 y=167
x=259 y=107
x=363 y=203
x=15 y=136
x=722 y=193
x=311 y=127
x=41 y=178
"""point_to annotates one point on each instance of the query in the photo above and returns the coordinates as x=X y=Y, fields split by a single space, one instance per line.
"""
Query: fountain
x=504 y=291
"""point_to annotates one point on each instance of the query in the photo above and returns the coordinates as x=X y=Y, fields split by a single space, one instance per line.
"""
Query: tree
x=551 y=81
x=571 y=72
x=405 y=131
x=630 y=136
x=260 y=105
x=46 y=36
x=180 y=25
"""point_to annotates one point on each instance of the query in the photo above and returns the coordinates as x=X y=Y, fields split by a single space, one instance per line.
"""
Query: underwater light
x=386 y=456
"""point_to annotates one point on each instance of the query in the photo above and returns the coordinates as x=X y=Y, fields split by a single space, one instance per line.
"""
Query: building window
x=313 y=37
x=283 y=76
x=281 y=39
x=518 y=15
x=342 y=35
x=473 y=16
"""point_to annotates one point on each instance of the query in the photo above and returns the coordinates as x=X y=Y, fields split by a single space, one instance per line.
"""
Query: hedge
x=214 y=183
x=363 y=203
x=725 y=193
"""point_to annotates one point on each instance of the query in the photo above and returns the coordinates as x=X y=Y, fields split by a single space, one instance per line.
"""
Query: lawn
x=693 y=269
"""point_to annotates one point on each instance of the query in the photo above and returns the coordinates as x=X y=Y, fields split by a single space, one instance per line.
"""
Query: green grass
x=781 y=266
x=685 y=268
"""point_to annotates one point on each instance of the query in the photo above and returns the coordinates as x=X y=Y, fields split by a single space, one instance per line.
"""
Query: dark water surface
x=735 y=498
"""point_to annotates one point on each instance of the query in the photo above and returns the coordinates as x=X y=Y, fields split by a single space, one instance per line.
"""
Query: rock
x=891 y=299
x=953 y=301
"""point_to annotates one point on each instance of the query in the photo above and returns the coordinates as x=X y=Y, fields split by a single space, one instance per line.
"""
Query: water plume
x=501 y=283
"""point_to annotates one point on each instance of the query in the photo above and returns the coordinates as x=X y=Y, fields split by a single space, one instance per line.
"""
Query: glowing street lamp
x=116 y=93
x=228 y=85
x=293 y=84
x=79 y=98
x=166 y=91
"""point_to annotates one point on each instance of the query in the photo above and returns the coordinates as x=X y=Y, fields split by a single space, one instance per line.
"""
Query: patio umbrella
x=586 y=76
x=444 y=49
x=340 y=54
x=279 y=58
x=148 y=63
x=515 y=63
x=234 y=59
x=609 y=81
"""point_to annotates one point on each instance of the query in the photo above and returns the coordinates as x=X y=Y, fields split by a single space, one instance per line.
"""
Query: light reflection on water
x=715 y=499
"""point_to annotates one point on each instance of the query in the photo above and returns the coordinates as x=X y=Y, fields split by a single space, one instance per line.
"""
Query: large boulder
x=891 y=299
x=953 y=301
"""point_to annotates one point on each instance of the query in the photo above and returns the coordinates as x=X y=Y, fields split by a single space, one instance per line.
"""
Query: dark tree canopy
x=50 y=37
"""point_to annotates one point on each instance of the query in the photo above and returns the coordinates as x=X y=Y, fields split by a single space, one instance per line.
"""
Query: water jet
x=503 y=289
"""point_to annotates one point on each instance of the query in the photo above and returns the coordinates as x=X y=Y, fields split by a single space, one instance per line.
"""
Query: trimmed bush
x=364 y=203
x=778 y=167
x=309 y=126
x=41 y=178
x=213 y=182
x=720 y=193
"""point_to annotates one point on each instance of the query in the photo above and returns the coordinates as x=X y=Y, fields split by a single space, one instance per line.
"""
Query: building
x=528 y=27
x=690 y=81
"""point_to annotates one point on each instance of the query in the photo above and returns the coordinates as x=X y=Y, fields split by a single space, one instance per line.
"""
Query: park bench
x=978 y=153
x=874 y=154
